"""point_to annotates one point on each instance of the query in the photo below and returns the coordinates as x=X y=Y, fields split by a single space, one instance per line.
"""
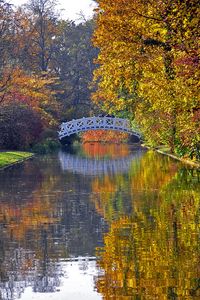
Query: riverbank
x=9 y=158
x=166 y=151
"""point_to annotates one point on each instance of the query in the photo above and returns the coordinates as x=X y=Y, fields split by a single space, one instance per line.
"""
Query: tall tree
x=7 y=43
x=41 y=20
x=6 y=32
x=73 y=63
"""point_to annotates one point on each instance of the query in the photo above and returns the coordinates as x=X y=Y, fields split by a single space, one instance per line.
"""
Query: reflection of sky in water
x=77 y=283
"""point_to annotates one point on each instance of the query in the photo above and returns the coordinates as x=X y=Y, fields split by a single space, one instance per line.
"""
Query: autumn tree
x=149 y=65
x=61 y=48
x=32 y=90
x=101 y=135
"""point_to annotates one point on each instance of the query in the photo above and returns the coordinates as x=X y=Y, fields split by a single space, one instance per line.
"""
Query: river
x=100 y=222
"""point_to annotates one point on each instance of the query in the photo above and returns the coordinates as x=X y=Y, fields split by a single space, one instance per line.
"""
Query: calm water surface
x=100 y=222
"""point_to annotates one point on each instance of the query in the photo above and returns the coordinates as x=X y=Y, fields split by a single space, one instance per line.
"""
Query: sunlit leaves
x=155 y=45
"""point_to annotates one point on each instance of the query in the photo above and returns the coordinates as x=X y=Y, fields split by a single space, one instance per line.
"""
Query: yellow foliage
x=149 y=66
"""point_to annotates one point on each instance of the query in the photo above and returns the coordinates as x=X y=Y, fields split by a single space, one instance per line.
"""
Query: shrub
x=47 y=146
x=20 y=126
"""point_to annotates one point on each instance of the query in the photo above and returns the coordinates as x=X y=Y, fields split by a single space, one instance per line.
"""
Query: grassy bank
x=8 y=158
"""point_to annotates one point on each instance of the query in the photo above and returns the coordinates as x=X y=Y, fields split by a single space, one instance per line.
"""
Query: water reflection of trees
x=47 y=221
x=151 y=249
x=152 y=253
x=120 y=194
x=111 y=151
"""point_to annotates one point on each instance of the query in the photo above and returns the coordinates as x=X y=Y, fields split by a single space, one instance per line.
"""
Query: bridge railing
x=83 y=124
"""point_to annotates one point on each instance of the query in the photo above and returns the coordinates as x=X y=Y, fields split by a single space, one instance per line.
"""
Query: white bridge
x=95 y=123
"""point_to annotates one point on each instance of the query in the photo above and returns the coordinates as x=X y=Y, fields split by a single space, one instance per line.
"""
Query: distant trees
x=62 y=49
x=7 y=29
x=73 y=64
x=38 y=20
x=7 y=48
x=24 y=88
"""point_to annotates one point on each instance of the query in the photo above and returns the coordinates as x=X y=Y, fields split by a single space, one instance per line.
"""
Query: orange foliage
x=30 y=216
x=104 y=136
x=32 y=90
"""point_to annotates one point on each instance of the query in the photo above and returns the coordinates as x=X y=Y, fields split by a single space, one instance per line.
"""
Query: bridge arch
x=95 y=123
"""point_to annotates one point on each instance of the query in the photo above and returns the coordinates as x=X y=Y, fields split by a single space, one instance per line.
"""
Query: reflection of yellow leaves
x=144 y=259
x=160 y=238
x=141 y=178
x=107 y=186
x=103 y=194
x=158 y=173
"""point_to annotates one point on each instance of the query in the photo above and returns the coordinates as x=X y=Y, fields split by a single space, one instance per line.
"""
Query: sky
x=70 y=8
x=75 y=284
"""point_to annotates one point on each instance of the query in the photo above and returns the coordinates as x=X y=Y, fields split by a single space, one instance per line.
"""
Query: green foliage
x=49 y=133
x=47 y=146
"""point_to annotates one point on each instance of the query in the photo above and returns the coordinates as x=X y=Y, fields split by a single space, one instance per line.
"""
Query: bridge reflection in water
x=95 y=166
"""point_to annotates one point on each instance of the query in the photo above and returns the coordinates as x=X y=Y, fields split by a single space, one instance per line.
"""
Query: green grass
x=11 y=157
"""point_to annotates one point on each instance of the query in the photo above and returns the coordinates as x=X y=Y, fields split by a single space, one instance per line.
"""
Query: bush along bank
x=49 y=145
